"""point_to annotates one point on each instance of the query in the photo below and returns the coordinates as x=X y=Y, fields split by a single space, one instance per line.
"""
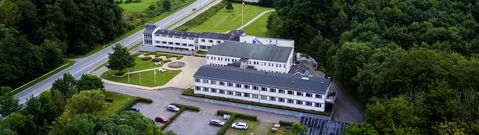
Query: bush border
x=182 y=109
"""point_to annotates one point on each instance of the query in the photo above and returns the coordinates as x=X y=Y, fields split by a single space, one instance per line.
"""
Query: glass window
x=263 y=89
x=254 y=95
x=222 y=91
x=245 y=94
x=290 y=92
x=230 y=93
x=177 y=43
x=263 y=97
x=197 y=88
x=205 y=81
x=238 y=85
x=218 y=41
x=272 y=98
x=212 y=82
x=203 y=40
x=255 y=87
x=317 y=96
x=213 y=90
x=206 y=89
x=281 y=91
x=222 y=83
x=290 y=101
x=197 y=80
x=308 y=104
x=309 y=95
x=211 y=41
x=246 y=86
x=272 y=90
x=230 y=84
x=299 y=93
x=299 y=102
x=238 y=93
x=281 y=99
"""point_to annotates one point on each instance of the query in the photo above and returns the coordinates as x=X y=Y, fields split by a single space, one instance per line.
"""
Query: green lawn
x=147 y=78
x=252 y=125
x=281 y=131
x=225 y=20
x=136 y=7
x=119 y=101
x=143 y=64
x=258 y=27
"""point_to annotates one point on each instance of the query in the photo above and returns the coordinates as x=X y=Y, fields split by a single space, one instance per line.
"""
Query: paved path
x=84 y=65
x=254 y=19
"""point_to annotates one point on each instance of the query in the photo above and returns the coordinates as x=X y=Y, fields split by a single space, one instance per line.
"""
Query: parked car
x=134 y=109
x=194 y=9
x=240 y=125
x=216 y=122
x=172 y=108
x=161 y=119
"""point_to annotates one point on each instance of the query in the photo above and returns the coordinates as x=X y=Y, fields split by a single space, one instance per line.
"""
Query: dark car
x=161 y=119
x=217 y=123
x=134 y=109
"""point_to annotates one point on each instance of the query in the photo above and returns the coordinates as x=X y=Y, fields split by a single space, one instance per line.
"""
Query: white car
x=240 y=125
x=172 y=108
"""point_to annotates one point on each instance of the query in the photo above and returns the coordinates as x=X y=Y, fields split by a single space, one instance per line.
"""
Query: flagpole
x=140 y=76
x=242 y=13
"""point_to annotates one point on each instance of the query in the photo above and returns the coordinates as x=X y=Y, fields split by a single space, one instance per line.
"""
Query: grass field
x=119 y=100
x=136 y=7
x=143 y=64
x=225 y=20
x=258 y=27
x=147 y=78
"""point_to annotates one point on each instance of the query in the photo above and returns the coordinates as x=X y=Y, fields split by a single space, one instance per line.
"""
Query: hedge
x=172 y=118
x=285 y=123
x=189 y=92
x=202 y=17
x=188 y=107
x=238 y=115
x=128 y=105
x=146 y=58
x=145 y=100
x=156 y=59
x=227 y=124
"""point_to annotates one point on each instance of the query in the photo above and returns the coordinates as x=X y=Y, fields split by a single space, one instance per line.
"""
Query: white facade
x=267 y=41
x=261 y=94
x=260 y=65
x=183 y=42
x=206 y=43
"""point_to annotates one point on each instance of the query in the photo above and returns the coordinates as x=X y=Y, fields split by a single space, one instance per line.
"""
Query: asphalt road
x=87 y=64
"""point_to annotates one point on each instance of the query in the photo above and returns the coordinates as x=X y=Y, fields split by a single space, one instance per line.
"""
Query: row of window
x=257 y=96
x=210 y=41
x=178 y=37
x=174 y=43
x=248 y=62
x=254 y=87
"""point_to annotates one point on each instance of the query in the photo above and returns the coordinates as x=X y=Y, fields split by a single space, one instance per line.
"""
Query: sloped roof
x=177 y=33
x=251 y=51
x=268 y=79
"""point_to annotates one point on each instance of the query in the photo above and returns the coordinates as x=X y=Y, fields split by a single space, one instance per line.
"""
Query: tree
x=229 y=6
x=86 y=102
x=297 y=129
x=90 y=82
x=127 y=122
x=66 y=85
x=361 y=129
x=8 y=103
x=120 y=59
x=348 y=60
x=81 y=124
x=167 y=5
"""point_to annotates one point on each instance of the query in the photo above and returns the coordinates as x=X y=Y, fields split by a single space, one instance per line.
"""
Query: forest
x=35 y=35
x=413 y=64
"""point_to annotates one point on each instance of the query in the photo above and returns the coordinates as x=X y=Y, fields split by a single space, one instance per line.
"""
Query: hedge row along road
x=86 y=64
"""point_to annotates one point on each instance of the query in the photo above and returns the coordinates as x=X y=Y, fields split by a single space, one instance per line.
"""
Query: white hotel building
x=268 y=58
x=157 y=39
x=264 y=87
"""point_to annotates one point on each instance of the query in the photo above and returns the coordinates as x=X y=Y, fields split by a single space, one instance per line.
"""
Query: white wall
x=207 y=43
x=259 y=92
x=158 y=40
x=268 y=66
x=268 y=41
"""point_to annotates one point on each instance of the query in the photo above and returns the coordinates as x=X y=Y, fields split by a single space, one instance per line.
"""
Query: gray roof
x=212 y=35
x=252 y=51
x=253 y=77
x=149 y=28
x=235 y=34
x=177 y=33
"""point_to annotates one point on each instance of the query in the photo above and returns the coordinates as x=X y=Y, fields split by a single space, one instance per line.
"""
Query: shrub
x=238 y=115
x=179 y=57
x=145 y=100
x=285 y=123
x=137 y=54
x=171 y=119
x=166 y=61
x=188 y=107
x=156 y=59
x=227 y=124
x=146 y=58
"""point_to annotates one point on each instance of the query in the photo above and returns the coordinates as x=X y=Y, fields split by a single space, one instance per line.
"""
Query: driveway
x=194 y=123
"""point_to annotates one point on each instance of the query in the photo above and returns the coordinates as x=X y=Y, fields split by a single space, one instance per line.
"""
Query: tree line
x=71 y=107
x=36 y=34
x=414 y=63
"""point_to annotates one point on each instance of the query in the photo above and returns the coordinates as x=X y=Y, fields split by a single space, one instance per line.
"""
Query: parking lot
x=189 y=123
